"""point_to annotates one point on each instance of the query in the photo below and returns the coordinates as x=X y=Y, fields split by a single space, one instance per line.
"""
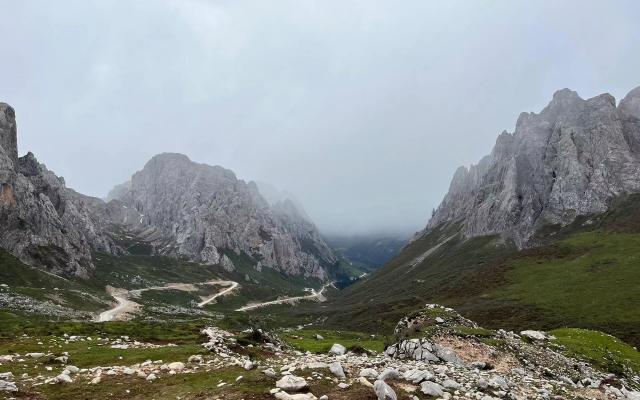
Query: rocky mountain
x=180 y=208
x=199 y=212
x=551 y=217
x=43 y=222
x=569 y=160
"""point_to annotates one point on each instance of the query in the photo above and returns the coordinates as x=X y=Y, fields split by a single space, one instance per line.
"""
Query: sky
x=362 y=109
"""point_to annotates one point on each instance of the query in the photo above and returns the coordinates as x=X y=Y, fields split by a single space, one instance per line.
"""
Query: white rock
x=176 y=366
x=369 y=373
x=71 y=369
x=152 y=377
x=297 y=396
x=292 y=383
x=534 y=335
x=336 y=369
x=64 y=378
x=364 y=382
x=389 y=373
x=6 y=386
x=248 y=365
x=431 y=389
x=338 y=349
x=451 y=384
x=384 y=391
x=196 y=358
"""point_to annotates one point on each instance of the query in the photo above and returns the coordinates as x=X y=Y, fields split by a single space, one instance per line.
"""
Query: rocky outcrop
x=569 y=160
x=202 y=212
x=43 y=222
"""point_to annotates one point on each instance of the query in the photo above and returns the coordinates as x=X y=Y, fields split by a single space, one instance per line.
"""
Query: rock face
x=205 y=211
x=43 y=222
x=569 y=160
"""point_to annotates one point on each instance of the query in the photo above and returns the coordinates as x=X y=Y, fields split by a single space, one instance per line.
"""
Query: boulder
x=176 y=366
x=338 y=349
x=431 y=389
x=336 y=369
x=6 y=386
x=64 y=378
x=534 y=335
x=384 y=391
x=297 y=396
x=292 y=383
x=369 y=373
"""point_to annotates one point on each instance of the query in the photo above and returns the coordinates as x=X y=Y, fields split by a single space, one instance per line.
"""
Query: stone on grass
x=338 y=349
x=292 y=383
x=534 y=335
x=176 y=366
x=64 y=378
x=6 y=386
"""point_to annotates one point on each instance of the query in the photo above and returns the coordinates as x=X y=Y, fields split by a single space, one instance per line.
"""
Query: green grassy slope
x=583 y=275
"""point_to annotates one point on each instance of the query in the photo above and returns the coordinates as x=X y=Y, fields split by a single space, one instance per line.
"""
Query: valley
x=186 y=282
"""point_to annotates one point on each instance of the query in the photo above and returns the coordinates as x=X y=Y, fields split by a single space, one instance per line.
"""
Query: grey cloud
x=362 y=109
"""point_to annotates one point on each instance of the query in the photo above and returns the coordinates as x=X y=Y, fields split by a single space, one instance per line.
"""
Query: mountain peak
x=8 y=132
x=569 y=160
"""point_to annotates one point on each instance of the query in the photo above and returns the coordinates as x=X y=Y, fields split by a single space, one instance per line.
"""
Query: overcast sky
x=362 y=109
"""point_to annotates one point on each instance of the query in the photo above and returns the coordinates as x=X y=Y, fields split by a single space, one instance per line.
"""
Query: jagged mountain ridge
x=568 y=160
x=188 y=210
x=205 y=210
x=43 y=222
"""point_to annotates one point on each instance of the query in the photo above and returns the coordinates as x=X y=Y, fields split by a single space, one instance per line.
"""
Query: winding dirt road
x=231 y=288
x=289 y=300
x=126 y=306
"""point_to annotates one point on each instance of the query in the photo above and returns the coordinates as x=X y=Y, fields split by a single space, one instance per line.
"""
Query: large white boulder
x=292 y=383
x=338 y=349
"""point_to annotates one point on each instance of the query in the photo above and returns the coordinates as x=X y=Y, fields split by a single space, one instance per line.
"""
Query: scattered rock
x=384 y=391
x=431 y=389
x=6 y=386
x=336 y=369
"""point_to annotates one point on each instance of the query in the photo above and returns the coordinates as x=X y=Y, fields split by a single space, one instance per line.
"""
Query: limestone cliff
x=571 y=159
x=43 y=222
x=205 y=211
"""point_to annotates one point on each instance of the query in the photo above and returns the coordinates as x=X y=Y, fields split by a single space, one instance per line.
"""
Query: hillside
x=543 y=232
